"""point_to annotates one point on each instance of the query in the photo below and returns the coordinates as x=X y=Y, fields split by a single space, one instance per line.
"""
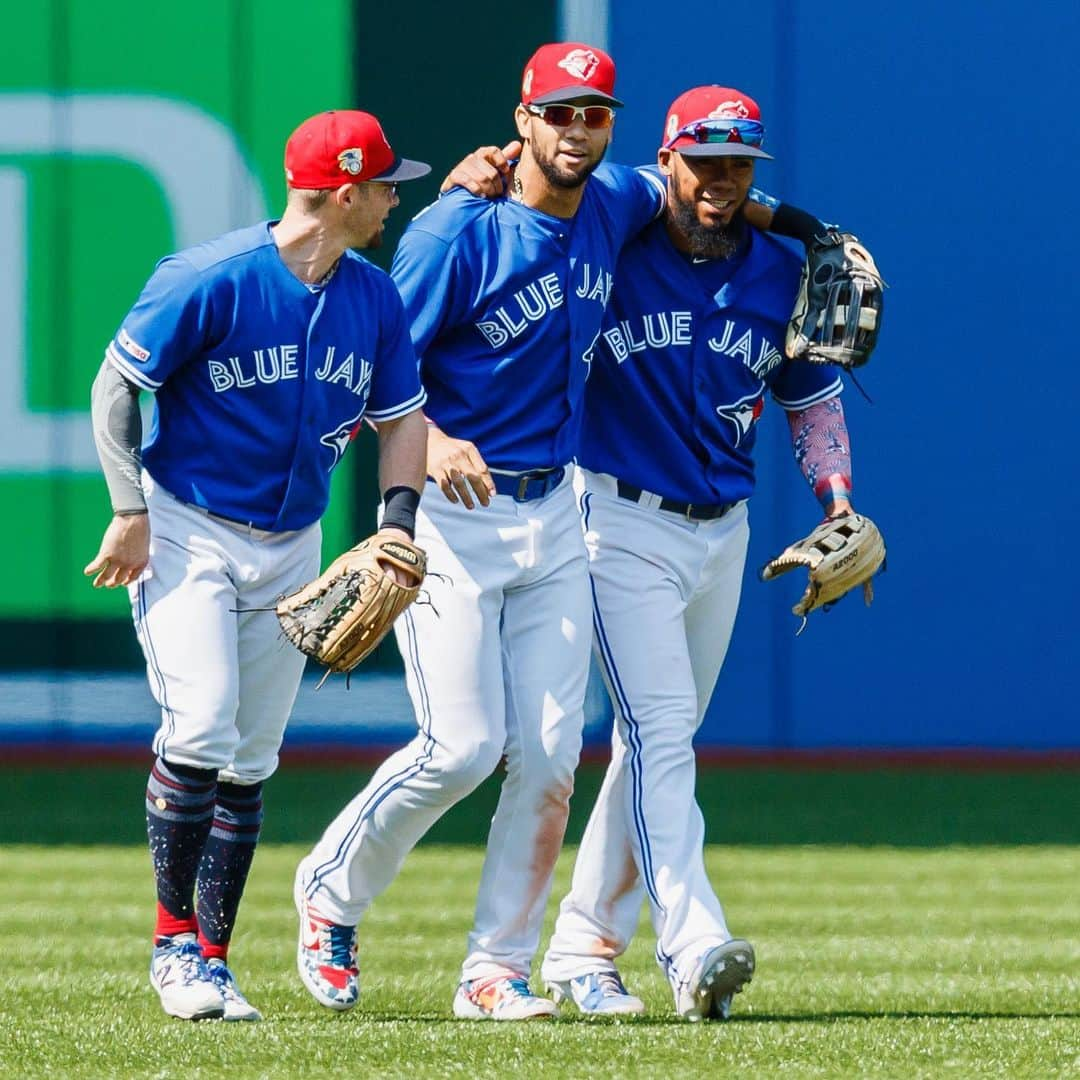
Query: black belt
x=525 y=486
x=691 y=511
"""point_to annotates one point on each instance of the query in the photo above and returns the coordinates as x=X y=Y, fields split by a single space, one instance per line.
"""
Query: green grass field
x=906 y=958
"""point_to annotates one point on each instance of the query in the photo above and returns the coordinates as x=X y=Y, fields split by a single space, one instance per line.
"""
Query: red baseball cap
x=345 y=146
x=715 y=121
x=568 y=69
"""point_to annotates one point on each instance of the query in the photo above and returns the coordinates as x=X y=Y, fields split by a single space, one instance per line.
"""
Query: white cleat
x=325 y=954
x=183 y=982
x=600 y=993
x=501 y=997
x=237 y=1007
x=721 y=973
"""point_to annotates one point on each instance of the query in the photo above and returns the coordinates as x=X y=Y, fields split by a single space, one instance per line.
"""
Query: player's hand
x=485 y=172
x=124 y=552
x=458 y=468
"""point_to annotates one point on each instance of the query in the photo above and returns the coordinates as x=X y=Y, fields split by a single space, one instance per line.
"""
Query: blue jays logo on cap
x=351 y=161
x=580 y=63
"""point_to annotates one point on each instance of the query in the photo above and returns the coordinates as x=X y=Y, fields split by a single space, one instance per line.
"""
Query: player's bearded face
x=567 y=156
x=704 y=196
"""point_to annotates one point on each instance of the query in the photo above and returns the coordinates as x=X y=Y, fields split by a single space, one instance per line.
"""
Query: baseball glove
x=837 y=313
x=347 y=610
x=840 y=553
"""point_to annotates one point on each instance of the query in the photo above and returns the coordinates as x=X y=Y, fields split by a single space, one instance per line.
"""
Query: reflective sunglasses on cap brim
x=747 y=132
x=594 y=117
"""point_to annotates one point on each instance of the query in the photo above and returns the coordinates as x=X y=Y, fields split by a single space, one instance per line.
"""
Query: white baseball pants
x=223 y=674
x=496 y=666
x=665 y=594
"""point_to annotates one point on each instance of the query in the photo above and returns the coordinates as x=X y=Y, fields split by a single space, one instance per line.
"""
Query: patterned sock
x=226 y=860
x=179 y=809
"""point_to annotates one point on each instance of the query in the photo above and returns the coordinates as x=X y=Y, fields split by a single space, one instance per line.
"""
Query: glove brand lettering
x=526 y=306
x=658 y=331
x=279 y=363
x=768 y=356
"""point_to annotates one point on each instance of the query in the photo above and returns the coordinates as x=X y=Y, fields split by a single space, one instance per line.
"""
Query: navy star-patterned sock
x=226 y=860
x=179 y=810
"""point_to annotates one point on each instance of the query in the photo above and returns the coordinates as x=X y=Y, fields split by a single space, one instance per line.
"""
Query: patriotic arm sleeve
x=822 y=448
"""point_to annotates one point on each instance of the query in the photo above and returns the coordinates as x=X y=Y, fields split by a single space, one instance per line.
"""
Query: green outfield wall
x=126 y=131
x=129 y=131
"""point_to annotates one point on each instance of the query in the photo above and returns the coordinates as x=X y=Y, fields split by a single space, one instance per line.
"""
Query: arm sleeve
x=167 y=326
x=822 y=448
x=114 y=410
x=395 y=382
x=429 y=276
x=798 y=224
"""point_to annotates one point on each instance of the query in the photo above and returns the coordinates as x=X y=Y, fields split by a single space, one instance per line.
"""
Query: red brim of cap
x=403 y=169
x=725 y=149
x=577 y=92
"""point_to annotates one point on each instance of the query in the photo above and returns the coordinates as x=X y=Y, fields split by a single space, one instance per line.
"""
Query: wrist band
x=399 y=509
x=798 y=224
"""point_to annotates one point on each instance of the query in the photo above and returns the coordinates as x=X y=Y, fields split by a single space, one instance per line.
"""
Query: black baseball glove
x=837 y=314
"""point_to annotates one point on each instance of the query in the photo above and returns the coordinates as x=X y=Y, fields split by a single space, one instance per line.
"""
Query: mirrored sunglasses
x=593 y=117
x=748 y=132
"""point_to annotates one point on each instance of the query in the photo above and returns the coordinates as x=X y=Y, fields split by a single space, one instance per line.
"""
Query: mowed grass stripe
x=872 y=962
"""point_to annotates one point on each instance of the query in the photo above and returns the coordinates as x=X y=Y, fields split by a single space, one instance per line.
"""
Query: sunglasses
x=594 y=117
x=392 y=186
x=748 y=132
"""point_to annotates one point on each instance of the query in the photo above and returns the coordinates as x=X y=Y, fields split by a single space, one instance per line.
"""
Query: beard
x=565 y=179
x=706 y=241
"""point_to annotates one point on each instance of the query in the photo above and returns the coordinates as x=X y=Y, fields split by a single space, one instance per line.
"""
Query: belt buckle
x=689 y=512
x=523 y=487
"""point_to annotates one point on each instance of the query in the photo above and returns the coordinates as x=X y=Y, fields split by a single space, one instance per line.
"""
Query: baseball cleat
x=180 y=976
x=600 y=993
x=724 y=971
x=500 y=997
x=326 y=955
x=237 y=1007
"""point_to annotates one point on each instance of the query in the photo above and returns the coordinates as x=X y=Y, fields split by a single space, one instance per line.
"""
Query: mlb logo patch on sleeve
x=128 y=344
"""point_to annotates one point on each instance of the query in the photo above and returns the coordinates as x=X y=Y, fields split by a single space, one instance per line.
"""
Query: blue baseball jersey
x=505 y=305
x=688 y=349
x=260 y=383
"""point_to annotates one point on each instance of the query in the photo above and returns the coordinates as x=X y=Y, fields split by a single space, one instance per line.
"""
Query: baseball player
x=264 y=349
x=693 y=341
x=505 y=298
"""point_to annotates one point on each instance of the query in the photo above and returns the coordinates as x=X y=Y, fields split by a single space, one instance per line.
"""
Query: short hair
x=309 y=198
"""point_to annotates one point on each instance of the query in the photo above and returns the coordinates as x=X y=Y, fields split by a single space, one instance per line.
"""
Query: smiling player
x=264 y=349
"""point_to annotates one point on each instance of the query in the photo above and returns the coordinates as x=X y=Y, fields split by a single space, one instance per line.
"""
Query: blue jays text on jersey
x=260 y=382
x=505 y=305
x=678 y=379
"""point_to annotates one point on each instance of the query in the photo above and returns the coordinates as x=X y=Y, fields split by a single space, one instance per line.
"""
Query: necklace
x=517 y=194
x=315 y=286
